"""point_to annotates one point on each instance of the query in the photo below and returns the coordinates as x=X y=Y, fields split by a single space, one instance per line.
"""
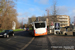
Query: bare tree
x=54 y=7
x=54 y=12
x=33 y=18
x=25 y=25
x=9 y=14
x=53 y=16
x=30 y=26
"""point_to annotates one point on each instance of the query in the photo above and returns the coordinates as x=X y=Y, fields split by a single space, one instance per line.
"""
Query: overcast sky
x=27 y=8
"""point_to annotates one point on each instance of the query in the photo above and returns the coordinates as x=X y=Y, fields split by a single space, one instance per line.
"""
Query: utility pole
x=22 y=22
x=48 y=17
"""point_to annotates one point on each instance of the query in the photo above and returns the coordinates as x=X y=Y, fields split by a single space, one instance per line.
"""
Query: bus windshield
x=39 y=25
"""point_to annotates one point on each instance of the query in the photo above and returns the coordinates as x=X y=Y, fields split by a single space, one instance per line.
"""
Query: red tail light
x=46 y=30
x=34 y=31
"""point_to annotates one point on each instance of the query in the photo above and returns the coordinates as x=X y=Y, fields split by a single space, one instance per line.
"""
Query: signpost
x=56 y=27
x=52 y=27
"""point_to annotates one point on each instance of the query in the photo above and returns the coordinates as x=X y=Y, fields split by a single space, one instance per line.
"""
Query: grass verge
x=30 y=28
x=18 y=30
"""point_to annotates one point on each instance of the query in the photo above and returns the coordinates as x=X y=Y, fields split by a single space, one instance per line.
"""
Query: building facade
x=64 y=20
x=37 y=19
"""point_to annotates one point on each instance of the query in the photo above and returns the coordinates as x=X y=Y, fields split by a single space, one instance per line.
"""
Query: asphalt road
x=24 y=41
x=15 y=43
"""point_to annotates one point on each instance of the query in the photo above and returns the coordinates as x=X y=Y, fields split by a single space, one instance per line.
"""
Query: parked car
x=25 y=29
x=7 y=33
x=68 y=33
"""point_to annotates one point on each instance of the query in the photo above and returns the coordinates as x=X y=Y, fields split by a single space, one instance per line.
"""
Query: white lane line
x=8 y=39
x=50 y=40
x=27 y=44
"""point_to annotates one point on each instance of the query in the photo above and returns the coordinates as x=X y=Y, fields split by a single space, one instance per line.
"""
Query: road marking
x=49 y=39
x=8 y=39
x=27 y=44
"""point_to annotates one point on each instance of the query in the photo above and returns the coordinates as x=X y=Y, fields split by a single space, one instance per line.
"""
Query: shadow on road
x=20 y=33
x=26 y=34
x=40 y=36
x=1 y=37
x=23 y=33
